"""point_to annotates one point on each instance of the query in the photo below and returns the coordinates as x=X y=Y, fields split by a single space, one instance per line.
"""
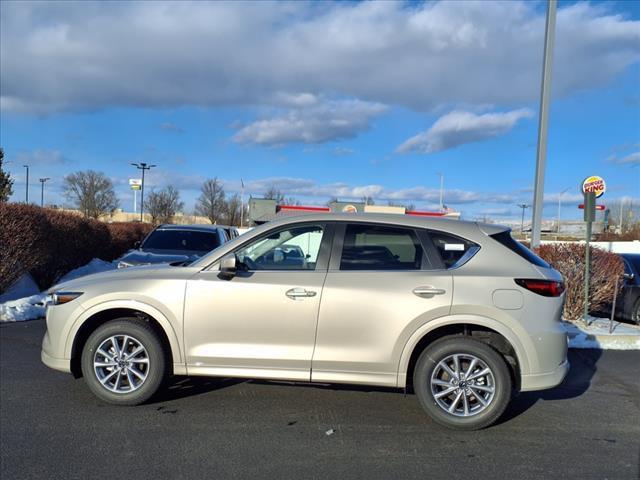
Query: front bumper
x=543 y=381
x=60 y=364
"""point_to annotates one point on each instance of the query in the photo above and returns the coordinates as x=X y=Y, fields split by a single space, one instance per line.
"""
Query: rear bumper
x=542 y=381
x=60 y=364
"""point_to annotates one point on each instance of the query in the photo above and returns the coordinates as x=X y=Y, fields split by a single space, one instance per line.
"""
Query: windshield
x=187 y=240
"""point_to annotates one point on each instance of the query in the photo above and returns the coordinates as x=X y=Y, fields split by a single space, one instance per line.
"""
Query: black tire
x=446 y=348
x=635 y=313
x=155 y=369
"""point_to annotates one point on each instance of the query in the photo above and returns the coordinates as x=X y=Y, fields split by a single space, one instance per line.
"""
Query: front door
x=262 y=321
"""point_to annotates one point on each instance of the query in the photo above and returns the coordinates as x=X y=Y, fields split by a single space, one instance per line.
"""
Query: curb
x=584 y=337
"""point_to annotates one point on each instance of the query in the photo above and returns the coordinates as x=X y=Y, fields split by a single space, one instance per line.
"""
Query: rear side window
x=453 y=251
x=505 y=239
x=372 y=247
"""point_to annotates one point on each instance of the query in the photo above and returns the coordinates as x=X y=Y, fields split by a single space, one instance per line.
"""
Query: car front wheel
x=462 y=383
x=123 y=362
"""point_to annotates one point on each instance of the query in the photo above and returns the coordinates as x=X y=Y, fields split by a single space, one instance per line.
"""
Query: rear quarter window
x=454 y=251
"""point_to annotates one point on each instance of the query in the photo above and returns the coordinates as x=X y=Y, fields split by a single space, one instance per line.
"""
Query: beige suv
x=458 y=311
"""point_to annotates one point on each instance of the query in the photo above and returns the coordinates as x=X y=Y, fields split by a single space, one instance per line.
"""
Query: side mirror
x=628 y=276
x=228 y=264
x=137 y=244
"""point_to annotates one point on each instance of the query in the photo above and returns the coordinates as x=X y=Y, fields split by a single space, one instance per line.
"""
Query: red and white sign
x=594 y=184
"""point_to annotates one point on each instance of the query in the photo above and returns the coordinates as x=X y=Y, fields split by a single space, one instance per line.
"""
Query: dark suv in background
x=175 y=243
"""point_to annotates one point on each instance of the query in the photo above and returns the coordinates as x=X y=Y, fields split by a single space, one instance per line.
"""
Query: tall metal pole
x=26 y=195
x=559 y=206
x=142 y=166
x=42 y=182
x=441 y=191
x=241 y=203
x=543 y=123
x=523 y=206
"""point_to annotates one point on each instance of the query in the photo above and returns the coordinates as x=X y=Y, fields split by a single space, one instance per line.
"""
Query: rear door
x=381 y=285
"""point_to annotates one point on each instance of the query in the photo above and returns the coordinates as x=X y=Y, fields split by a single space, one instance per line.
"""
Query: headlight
x=122 y=264
x=58 y=298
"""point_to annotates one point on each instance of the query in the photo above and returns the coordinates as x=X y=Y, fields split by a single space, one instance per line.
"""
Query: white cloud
x=74 y=56
x=631 y=159
x=457 y=128
x=327 y=121
x=40 y=158
x=170 y=127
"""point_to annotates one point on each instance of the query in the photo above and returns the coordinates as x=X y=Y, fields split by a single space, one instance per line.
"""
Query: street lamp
x=26 y=195
x=560 y=204
x=42 y=182
x=441 y=191
x=142 y=166
x=523 y=206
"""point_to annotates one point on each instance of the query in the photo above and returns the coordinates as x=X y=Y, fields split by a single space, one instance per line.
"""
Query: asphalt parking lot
x=52 y=427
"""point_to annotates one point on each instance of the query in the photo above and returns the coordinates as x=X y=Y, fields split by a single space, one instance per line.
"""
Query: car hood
x=139 y=257
x=142 y=272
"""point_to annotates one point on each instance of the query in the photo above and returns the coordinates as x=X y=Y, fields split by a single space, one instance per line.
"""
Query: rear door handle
x=428 y=292
x=295 y=293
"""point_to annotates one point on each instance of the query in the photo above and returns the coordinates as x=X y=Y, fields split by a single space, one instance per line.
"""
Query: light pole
x=523 y=206
x=42 y=182
x=560 y=205
x=241 y=202
x=441 y=191
x=26 y=195
x=142 y=166
x=543 y=123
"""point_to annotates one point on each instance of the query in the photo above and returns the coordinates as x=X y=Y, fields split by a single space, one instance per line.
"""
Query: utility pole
x=42 y=182
x=26 y=196
x=441 y=191
x=543 y=123
x=241 y=202
x=142 y=166
x=523 y=206
x=559 y=206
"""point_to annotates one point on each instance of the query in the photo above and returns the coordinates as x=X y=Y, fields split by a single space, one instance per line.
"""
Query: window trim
x=338 y=244
x=323 y=252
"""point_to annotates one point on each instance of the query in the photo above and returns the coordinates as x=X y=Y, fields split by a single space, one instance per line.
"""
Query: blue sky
x=323 y=99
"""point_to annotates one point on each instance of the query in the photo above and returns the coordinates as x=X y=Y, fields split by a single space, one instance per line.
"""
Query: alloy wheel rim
x=463 y=385
x=121 y=364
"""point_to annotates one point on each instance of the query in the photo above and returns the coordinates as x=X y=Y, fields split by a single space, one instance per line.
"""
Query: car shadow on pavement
x=181 y=387
x=583 y=367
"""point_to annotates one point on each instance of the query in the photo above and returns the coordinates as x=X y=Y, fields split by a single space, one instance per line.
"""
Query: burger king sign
x=594 y=184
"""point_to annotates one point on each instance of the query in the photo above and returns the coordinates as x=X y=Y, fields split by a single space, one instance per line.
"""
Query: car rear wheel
x=462 y=383
x=123 y=362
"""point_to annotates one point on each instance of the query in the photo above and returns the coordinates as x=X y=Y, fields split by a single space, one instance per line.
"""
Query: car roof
x=193 y=227
x=438 y=223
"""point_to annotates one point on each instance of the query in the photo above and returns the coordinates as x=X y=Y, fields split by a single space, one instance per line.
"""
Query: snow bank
x=28 y=308
x=25 y=286
x=94 y=266
x=32 y=306
x=623 y=337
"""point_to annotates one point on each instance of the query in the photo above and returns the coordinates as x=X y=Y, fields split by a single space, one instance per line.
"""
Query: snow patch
x=28 y=308
x=596 y=335
x=94 y=266
x=25 y=286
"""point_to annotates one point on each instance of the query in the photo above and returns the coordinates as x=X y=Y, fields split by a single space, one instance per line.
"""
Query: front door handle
x=295 y=293
x=428 y=292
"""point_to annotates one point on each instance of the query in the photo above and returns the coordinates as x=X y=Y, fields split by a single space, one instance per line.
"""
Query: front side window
x=372 y=247
x=295 y=248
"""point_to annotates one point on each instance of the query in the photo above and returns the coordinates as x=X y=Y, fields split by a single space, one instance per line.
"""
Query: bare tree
x=233 y=210
x=211 y=202
x=623 y=214
x=274 y=194
x=92 y=193
x=163 y=205
x=6 y=182
x=368 y=200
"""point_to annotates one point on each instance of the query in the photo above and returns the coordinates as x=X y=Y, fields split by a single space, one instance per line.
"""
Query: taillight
x=546 y=288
